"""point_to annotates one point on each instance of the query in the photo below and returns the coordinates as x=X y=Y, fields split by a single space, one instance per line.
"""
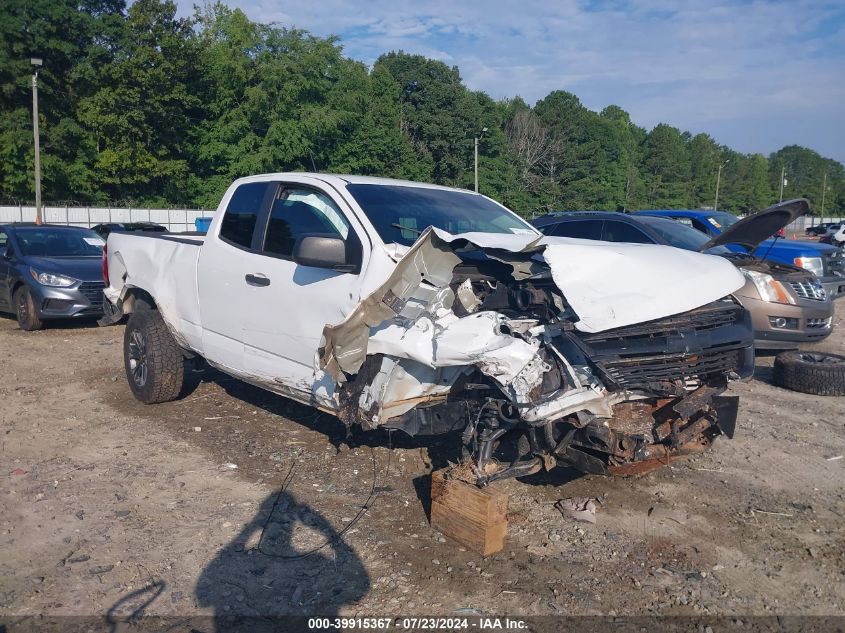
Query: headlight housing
x=52 y=279
x=812 y=264
x=770 y=289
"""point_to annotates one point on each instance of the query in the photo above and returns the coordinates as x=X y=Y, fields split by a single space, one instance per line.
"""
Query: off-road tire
x=155 y=365
x=25 y=310
x=818 y=373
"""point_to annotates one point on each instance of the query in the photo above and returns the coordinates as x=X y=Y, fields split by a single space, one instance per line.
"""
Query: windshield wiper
x=406 y=228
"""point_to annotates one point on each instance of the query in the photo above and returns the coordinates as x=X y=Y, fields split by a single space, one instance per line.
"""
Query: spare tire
x=819 y=373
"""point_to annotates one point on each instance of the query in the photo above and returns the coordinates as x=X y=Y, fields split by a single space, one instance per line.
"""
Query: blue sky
x=756 y=75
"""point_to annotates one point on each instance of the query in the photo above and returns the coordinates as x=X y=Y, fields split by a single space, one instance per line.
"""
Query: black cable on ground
x=368 y=503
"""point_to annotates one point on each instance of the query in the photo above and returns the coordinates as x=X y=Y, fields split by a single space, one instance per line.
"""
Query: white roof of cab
x=341 y=180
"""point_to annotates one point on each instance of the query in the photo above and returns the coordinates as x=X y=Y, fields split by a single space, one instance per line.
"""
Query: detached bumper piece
x=112 y=313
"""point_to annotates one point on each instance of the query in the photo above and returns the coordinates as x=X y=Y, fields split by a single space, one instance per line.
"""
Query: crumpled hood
x=612 y=285
x=607 y=285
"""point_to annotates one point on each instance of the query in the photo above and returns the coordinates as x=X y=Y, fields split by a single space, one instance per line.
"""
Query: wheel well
x=137 y=297
x=14 y=289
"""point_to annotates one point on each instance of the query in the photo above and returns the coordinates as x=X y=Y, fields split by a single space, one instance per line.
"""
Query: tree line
x=139 y=106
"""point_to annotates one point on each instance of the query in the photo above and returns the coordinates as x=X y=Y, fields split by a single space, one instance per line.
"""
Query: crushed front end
x=483 y=342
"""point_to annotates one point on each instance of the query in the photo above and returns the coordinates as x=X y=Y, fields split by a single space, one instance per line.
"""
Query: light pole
x=824 y=191
x=718 y=180
x=37 y=63
x=782 y=180
x=483 y=130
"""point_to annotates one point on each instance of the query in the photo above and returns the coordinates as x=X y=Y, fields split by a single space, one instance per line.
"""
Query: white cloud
x=728 y=65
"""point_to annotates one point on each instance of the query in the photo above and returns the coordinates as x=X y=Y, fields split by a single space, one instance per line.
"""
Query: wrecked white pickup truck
x=435 y=310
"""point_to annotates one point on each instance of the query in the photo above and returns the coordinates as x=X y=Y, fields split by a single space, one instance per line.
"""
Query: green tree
x=625 y=158
x=705 y=157
x=70 y=37
x=667 y=165
x=442 y=118
x=142 y=113
x=806 y=172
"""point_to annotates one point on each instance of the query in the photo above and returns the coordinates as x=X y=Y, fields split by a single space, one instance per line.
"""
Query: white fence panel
x=99 y=215
x=10 y=214
x=55 y=215
x=176 y=220
x=121 y=215
x=160 y=216
x=78 y=215
x=178 y=216
x=140 y=215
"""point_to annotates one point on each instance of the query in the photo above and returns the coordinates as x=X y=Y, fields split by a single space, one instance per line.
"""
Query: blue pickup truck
x=823 y=260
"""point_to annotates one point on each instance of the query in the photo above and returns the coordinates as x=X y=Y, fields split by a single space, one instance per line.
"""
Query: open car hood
x=607 y=285
x=760 y=226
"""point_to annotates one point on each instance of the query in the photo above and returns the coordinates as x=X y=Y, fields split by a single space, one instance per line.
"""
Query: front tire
x=155 y=365
x=25 y=310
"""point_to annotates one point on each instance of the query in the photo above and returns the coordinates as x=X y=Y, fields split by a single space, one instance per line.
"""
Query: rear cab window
x=242 y=212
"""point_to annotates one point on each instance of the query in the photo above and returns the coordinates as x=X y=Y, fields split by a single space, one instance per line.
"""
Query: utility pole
x=718 y=180
x=476 y=164
x=824 y=191
x=36 y=62
x=483 y=130
x=782 y=181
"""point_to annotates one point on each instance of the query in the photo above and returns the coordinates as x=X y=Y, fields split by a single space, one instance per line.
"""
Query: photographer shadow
x=287 y=561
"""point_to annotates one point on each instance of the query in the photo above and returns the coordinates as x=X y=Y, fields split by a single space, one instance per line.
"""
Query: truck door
x=286 y=305
x=221 y=285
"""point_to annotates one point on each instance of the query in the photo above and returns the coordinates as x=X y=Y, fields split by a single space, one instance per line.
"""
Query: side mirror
x=321 y=250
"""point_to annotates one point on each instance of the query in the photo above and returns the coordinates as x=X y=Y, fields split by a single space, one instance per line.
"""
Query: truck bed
x=165 y=266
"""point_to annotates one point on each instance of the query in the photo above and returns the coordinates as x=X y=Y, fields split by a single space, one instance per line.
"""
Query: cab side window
x=299 y=211
x=4 y=242
x=242 y=213
x=623 y=232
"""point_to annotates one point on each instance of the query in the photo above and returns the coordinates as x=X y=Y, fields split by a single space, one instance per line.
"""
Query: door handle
x=257 y=280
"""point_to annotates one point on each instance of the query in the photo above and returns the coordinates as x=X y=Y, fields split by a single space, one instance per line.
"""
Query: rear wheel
x=818 y=373
x=155 y=365
x=25 y=310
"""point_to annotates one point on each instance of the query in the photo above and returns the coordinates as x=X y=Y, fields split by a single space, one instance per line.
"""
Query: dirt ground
x=206 y=505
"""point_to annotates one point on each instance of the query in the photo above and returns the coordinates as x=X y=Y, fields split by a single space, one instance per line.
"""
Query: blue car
x=824 y=261
x=50 y=272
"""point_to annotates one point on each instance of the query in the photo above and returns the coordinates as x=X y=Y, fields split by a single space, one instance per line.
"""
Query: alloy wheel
x=138 y=358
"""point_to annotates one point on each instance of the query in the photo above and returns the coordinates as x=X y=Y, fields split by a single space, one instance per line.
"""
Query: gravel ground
x=206 y=505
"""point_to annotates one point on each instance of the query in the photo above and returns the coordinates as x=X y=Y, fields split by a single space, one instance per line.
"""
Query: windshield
x=400 y=213
x=721 y=220
x=58 y=242
x=682 y=236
